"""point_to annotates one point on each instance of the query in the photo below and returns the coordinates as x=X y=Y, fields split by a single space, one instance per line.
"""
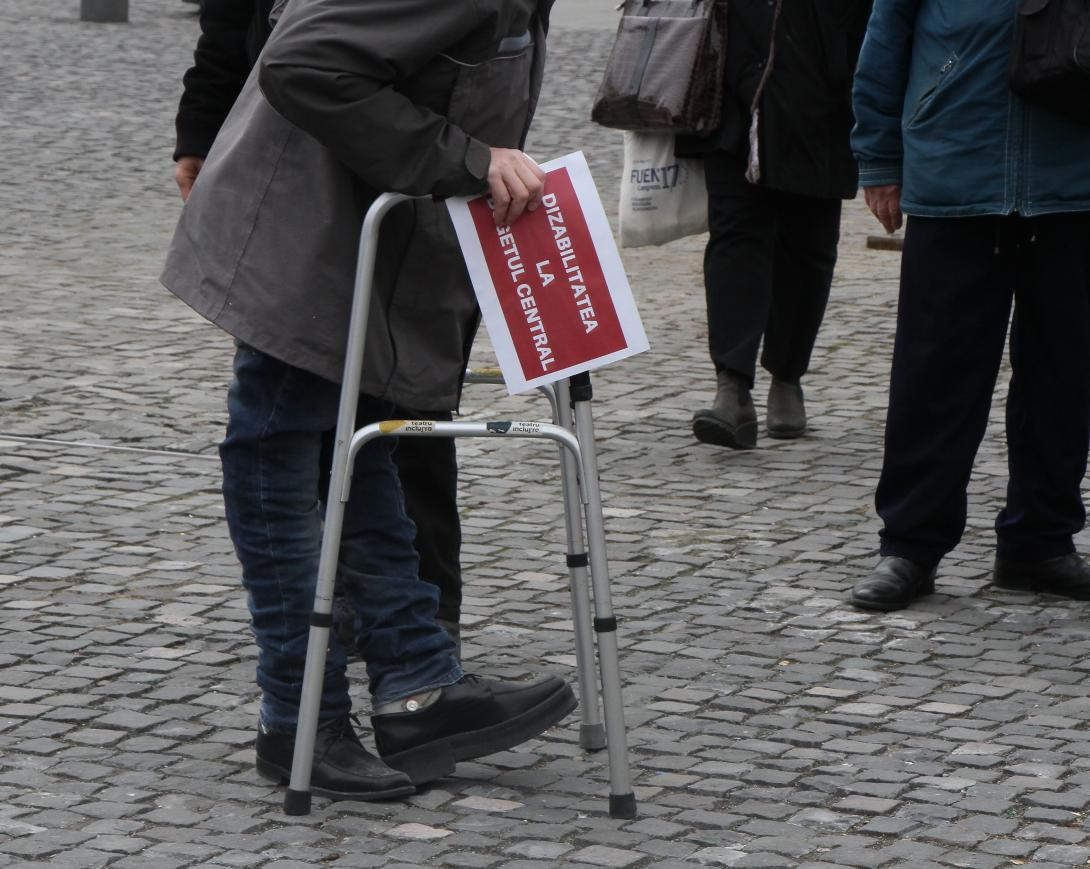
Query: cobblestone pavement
x=769 y=724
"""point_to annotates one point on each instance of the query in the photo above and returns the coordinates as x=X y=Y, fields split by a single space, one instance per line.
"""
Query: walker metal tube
x=592 y=735
x=484 y=375
x=622 y=800
x=297 y=799
x=495 y=377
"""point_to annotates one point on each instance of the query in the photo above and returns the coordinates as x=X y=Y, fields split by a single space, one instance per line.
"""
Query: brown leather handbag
x=665 y=72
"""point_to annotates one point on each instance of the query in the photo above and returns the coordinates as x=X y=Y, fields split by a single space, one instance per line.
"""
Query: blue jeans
x=272 y=471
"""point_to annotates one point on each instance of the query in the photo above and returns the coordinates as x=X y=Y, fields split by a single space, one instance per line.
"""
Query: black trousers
x=428 y=469
x=767 y=271
x=958 y=279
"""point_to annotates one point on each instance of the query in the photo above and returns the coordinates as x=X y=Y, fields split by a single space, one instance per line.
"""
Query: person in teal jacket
x=997 y=193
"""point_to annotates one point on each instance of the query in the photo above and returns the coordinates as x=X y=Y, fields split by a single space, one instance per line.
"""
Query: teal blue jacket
x=934 y=114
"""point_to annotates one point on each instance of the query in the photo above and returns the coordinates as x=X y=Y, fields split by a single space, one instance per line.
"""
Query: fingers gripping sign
x=516 y=184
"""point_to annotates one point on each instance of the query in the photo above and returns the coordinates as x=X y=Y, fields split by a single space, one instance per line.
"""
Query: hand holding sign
x=551 y=287
x=515 y=183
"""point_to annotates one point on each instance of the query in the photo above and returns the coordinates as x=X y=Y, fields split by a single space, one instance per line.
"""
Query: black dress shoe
x=343 y=768
x=471 y=718
x=893 y=584
x=1065 y=575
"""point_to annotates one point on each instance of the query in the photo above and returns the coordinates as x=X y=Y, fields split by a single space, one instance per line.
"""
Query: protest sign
x=551 y=287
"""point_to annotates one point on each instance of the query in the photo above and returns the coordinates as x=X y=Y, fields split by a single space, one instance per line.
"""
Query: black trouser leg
x=428 y=468
x=807 y=235
x=1048 y=406
x=737 y=264
x=952 y=317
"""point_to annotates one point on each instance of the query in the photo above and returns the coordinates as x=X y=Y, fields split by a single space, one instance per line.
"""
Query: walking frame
x=572 y=429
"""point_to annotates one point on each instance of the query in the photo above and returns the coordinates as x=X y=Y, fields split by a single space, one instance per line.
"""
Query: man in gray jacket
x=350 y=99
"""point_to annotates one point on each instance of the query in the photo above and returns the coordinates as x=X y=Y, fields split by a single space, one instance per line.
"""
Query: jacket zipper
x=1016 y=153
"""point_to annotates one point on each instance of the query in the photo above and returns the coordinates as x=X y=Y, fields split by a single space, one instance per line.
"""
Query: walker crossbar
x=460 y=429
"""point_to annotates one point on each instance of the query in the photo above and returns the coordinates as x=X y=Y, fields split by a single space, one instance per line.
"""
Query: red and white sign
x=551 y=287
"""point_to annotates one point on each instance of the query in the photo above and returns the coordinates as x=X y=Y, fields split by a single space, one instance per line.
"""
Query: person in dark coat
x=776 y=170
x=430 y=98
x=996 y=191
x=233 y=32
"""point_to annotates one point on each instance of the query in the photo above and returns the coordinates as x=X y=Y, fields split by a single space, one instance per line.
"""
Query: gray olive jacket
x=351 y=98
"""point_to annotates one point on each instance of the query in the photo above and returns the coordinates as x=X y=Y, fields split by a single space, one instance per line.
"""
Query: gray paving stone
x=973 y=860
x=718 y=856
x=600 y=855
x=1068 y=855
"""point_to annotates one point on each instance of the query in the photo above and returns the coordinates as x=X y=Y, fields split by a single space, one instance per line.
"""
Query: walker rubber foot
x=622 y=806
x=297 y=802
x=592 y=737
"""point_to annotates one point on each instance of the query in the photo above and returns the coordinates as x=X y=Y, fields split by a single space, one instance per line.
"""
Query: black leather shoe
x=893 y=584
x=343 y=768
x=472 y=718
x=1065 y=575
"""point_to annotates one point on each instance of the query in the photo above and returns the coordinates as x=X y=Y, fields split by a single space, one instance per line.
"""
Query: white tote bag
x=662 y=196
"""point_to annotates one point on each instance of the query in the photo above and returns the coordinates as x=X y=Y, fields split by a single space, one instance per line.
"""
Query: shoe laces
x=346 y=724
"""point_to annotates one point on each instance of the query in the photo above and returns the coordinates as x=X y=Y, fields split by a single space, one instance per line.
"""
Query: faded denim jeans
x=272 y=480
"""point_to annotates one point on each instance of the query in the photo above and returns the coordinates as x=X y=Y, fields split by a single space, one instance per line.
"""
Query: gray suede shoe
x=786 y=412
x=731 y=421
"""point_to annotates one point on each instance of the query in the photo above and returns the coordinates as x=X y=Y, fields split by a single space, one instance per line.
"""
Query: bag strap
x=640 y=68
x=771 y=58
x=753 y=163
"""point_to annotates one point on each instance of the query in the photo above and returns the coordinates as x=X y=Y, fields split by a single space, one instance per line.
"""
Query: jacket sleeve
x=878 y=93
x=220 y=67
x=332 y=68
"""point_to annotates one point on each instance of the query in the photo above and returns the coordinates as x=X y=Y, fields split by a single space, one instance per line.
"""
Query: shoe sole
x=1023 y=585
x=786 y=433
x=881 y=606
x=887 y=606
x=437 y=759
x=709 y=430
x=1028 y=586
x=275 y=772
